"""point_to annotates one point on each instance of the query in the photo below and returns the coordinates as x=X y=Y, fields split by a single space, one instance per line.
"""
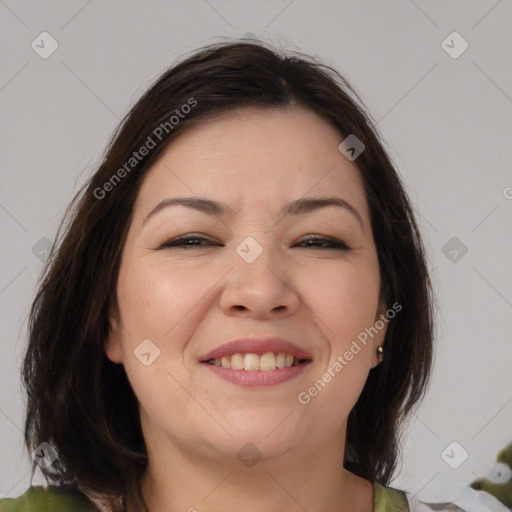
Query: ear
x=112 y=345
x=381 y=326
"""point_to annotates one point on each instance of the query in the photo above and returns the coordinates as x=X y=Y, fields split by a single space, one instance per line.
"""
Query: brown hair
x=82 y=403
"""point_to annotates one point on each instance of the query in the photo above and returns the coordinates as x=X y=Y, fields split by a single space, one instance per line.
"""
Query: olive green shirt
x=58 y=499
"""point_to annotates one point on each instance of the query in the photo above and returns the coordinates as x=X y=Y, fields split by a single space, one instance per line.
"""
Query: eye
x=192 y=241
x=332 y=243
x=186 y=241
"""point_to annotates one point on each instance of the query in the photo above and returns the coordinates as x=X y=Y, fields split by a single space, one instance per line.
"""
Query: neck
x=312 y=479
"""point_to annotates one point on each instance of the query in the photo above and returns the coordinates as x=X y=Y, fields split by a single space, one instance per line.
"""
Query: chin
x=265 y=435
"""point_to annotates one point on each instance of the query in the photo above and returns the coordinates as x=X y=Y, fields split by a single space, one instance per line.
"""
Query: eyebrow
x=297 y=207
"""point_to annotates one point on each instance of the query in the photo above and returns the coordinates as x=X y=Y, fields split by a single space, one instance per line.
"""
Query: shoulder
x=47 y=499
x=456 y=499
x=389 y=499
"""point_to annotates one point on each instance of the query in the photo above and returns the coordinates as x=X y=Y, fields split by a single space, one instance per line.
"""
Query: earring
x=380 y=353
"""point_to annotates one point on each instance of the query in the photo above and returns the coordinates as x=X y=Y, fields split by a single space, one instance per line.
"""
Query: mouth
x=257 y=362
x=268 y=361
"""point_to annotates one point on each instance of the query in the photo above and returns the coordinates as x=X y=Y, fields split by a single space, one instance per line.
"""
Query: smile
x=253 y=362
x=253 y=371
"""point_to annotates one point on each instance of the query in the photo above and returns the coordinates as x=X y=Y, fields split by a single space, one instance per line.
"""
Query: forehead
x=254 y=157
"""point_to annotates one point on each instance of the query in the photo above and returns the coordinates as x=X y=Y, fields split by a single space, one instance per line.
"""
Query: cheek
x=163 y=302
x=157 y=303
x=346 y=300
x=157 y=297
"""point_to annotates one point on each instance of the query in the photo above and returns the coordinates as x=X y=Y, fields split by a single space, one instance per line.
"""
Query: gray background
x=447 y=123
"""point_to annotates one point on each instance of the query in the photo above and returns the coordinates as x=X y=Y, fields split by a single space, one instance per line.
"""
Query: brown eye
x=327 y=243
x=186 y=241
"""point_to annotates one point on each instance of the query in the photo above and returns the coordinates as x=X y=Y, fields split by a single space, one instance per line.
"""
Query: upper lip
x=258 y=346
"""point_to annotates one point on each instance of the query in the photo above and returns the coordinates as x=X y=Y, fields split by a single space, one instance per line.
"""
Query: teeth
x=252 y=362
x=268 y=362
x=237 y=361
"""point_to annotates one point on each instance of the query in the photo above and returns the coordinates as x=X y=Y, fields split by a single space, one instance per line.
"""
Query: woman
x=238 y=314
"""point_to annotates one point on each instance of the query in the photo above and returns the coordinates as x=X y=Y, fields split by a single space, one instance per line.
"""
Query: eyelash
x=179 y=242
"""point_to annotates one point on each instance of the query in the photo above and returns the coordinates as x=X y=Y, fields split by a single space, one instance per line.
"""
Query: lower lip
x=257 y=378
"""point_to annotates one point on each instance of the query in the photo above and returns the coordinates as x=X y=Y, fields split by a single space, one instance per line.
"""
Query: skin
x=189 y=301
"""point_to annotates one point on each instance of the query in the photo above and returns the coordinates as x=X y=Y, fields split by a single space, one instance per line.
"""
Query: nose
x=260 y=289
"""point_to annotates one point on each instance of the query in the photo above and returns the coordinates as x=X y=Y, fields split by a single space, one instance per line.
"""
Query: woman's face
x=253 y=273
